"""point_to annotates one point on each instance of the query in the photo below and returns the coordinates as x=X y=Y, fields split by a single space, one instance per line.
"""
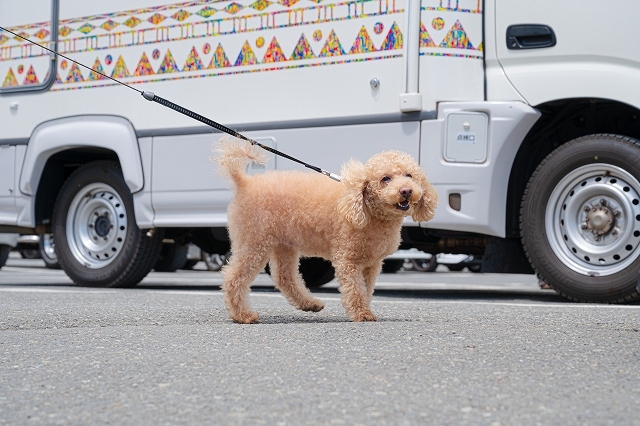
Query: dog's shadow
x=296 y=318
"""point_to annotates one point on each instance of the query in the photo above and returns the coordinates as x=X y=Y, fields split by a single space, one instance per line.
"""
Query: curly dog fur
x=278 y=216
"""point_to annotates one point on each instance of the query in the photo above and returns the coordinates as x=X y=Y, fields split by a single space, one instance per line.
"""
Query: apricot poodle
x=278 y=216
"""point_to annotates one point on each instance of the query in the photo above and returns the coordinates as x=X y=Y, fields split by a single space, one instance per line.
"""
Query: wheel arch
x=562 y=121
x=57 y=168
x=57 y=147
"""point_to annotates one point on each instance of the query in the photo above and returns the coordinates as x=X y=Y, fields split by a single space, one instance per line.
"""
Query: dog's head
x=389 y=185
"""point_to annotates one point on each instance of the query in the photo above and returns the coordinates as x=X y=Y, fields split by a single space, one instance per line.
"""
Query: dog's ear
x=426 y=207
x=351 y=205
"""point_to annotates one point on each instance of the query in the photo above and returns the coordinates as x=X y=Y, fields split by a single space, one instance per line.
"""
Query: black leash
x=150 y=96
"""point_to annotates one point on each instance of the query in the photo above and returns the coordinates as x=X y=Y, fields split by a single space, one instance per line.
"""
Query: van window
x=24 y=66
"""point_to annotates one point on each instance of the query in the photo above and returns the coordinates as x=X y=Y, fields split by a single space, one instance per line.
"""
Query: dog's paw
x=312 y=306
x=363 y=316
x=246 y=317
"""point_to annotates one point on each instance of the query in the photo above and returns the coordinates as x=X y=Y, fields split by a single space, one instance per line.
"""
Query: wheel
x=46 y=247
x=30 y=253
x=214 y=262
x=475 y=268
x=173 y=256
x=580 y=219
x=425 y=265
x=98 y=242
x=316 y=271
x=189 y=264
x=390 y=266
x=4 y=254
x=456 y=267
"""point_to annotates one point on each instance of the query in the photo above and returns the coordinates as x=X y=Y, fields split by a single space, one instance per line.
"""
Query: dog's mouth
x=403 y=205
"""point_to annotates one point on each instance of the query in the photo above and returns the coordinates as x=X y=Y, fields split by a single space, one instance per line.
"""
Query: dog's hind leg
x=284 y=272
x=244 y=265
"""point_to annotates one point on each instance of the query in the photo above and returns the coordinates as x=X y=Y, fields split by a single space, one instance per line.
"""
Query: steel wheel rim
x=592 y=220
x=96 y=225
x=48 y=247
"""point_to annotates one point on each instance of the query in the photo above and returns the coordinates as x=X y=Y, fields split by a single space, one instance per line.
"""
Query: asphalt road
x=449 y=348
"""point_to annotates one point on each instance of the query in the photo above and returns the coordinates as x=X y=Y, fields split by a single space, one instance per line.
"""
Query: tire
x=391 y=266
x=475 y=268
x=580 y=219
x=316 y=271
x=173 y=256
x=189 y=264
x=456 y=267
x=425 y=265
x=47 y=247
x=4 y=254
x=98 y=242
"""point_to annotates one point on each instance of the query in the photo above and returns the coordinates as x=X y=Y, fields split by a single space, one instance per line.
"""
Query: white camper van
x=524 y=115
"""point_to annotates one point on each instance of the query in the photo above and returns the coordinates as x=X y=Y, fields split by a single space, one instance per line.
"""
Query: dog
x=279 y=216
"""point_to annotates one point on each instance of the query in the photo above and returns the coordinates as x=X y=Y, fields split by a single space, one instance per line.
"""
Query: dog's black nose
x=406 y=193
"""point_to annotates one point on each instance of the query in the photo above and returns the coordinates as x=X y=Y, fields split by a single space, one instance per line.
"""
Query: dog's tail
x=235 y=156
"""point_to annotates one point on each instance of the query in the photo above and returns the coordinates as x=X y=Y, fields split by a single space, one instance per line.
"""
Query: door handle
x=530 y=36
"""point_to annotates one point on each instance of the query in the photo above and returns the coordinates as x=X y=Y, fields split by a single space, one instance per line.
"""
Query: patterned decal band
x=152 y=39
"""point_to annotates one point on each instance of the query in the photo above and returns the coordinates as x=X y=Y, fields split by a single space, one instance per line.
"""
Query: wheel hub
x=593 y=219
x=600 y=219
x=102 y=225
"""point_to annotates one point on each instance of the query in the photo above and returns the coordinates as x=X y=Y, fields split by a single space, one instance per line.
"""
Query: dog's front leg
x=370 y=275
x=355 y=295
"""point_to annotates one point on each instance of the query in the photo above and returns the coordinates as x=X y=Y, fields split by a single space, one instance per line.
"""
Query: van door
x=554 y=50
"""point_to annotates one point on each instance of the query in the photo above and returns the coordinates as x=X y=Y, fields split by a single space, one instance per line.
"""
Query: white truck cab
x=524 y=117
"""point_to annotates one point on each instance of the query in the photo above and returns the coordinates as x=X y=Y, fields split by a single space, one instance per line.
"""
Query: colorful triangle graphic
x=59 y=79
x=302 y=50
x=425 y=38
x=31 y=77
x=456 y=38
x=219 y=59
x=10 y=79
x=393 y=40
x=168 y=64
x=246 y=56
x=120 y=70
x=75 y=75
x=193 y=62
x=97 y=66
x=332 y=47
x=144 y=67
x=274 y=53
x=363 y=43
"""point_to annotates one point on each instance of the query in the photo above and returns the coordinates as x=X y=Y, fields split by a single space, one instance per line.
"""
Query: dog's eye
x=409 y=176
x=386 y=179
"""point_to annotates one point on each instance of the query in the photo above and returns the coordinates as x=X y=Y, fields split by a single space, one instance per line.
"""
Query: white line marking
x=570 y=305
